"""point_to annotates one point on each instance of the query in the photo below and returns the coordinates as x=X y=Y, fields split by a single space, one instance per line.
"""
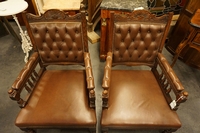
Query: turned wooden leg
x=26 y=130
x=104 y=130
x=92 y=130
x=168 y=131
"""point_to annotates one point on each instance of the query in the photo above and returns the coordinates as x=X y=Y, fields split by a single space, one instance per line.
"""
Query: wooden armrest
x=89 y=74
x=174 y=79
x=27 y=73
x=106 y=79
x=89 y=79
x=107 y=71
x=169 y=81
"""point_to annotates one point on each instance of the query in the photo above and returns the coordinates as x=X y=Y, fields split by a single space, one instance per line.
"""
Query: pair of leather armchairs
x=65 y=98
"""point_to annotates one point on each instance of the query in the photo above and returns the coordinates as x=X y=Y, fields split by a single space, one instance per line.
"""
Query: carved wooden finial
x=10 y=91
x=92 y=92
x=185 y=93
x=105 y=92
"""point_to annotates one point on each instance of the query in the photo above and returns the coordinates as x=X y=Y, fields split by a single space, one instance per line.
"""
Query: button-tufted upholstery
x=139 y=99
x=60 y=41
x=136 y=42
x=58 y=96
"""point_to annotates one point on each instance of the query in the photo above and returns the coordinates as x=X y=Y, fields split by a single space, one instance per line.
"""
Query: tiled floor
x=11 y=62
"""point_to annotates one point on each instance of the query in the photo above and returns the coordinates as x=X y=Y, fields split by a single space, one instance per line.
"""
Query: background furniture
x=160 y=7
x=94 y=14
x=60 y=94
x=71 y=6
x=5 y=25
x=2 y=29
x=180 y=31
x=30 y=9
x=9 y=8
x=193 y=39
x=140 y=99
x=118 y=6
x=94 y=17
x=90 y=6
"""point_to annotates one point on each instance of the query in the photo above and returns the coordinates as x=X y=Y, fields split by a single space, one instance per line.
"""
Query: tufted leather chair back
x=58 y=37
x=137 y=37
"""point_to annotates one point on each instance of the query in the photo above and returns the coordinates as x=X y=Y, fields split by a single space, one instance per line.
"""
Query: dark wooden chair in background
x=192 y=40
x=58 y=76
x=140 y=98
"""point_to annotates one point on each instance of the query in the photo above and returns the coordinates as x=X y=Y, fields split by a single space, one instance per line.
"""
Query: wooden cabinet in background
x=94 y=14
x=181 y=30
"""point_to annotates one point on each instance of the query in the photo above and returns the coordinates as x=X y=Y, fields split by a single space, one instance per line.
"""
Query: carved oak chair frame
x=140 y=99
x=58 y=76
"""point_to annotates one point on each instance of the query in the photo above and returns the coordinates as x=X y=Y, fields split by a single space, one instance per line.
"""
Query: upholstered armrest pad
x=26 y=71
x=88 y=68
x=107 y=71
x=170 y=73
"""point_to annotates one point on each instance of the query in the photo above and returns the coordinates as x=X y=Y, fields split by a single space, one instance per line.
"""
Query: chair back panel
x=137 y=36
x=136 y=42
x=58 y=42
x=58 y=37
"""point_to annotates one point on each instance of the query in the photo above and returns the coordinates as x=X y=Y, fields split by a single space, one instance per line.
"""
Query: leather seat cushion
x=136 y=101
x=59 y=100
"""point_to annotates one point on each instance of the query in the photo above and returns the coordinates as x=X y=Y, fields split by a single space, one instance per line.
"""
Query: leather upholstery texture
x=60 y=42
x=135 y=98
x=136 y=42
x=58 y=78
x=134 y=103
x=57 y=102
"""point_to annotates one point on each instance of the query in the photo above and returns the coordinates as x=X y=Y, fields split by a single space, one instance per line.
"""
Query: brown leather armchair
x=140 y=98
x=58 y=76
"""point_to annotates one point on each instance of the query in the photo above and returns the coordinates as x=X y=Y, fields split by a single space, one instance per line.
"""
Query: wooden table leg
x=11 y=30
x=180 y=47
